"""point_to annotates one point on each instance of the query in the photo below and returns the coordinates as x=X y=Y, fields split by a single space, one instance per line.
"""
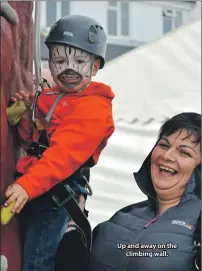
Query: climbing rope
x=37 y=57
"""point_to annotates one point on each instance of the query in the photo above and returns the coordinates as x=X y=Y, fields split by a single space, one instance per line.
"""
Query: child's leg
x=71 y=253
x=72 y=247
x=44 y=230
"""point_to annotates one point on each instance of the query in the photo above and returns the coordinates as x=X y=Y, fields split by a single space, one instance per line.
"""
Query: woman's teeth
x=167 y=169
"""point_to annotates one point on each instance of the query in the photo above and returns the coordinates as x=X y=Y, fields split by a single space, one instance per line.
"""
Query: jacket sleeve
x=71 y=145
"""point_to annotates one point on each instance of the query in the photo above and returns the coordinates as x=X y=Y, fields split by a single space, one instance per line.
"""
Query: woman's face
x=173 y=161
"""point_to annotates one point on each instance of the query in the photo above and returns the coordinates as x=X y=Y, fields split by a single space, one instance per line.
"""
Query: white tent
x=153 y=82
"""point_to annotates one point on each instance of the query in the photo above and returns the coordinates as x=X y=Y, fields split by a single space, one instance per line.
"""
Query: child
x=76 y=115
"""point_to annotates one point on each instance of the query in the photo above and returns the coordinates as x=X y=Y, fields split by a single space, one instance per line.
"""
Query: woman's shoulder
x=136 y=209
x=133 y=209
x=123 y=217
x=130 y=208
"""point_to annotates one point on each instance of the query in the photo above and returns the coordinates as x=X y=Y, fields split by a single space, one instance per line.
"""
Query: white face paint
x=71 y=68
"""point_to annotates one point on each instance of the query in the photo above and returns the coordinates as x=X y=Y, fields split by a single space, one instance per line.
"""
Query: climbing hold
x=7 y=214
x=14 y=112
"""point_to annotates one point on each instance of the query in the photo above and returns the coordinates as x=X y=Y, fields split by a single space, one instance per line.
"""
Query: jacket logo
x=64 y=103
x=182 y=223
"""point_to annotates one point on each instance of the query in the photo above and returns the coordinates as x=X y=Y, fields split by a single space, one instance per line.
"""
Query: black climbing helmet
x=81 y=32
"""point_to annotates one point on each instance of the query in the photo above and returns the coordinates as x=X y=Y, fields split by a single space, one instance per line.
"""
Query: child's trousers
x=42 y=229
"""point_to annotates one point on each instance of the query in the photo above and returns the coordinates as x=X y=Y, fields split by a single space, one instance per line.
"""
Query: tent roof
x=159 y=79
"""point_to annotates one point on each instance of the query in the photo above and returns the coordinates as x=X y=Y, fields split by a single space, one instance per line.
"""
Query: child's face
x=72 y=68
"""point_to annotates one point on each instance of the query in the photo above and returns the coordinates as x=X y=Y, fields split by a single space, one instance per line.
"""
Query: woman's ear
x=96 y=66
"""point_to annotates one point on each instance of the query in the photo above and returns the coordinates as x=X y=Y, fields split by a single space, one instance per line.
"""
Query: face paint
x=71 y=68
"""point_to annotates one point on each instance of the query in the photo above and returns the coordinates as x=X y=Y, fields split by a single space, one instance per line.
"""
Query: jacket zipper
x=151 y=221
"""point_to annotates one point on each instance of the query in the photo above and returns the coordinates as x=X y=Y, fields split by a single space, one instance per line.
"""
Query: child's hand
x=17 y=193
x=27 y=98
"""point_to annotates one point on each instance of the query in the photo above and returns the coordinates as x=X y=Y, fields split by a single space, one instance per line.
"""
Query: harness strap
x=63 y=196
x=48 y=117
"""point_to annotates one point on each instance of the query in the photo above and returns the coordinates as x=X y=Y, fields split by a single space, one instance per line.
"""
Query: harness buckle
x=87 y=186
x=63 y=195
x=36 y=149
x=80 y=185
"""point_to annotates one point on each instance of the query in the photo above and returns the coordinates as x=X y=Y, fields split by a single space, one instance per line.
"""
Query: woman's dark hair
x=188 y=121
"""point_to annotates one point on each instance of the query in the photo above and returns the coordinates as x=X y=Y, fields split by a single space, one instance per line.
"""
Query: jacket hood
x=94 y=88
x=100 y=89
x=144 y=181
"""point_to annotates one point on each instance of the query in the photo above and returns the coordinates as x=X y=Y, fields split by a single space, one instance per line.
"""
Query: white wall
x=146 y=21
x=142 y=14
x=42 y=13
x=195 y=14
x=93 y=9
x=146 y=17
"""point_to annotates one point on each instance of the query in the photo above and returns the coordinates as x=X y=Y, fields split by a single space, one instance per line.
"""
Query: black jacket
x=136 y=239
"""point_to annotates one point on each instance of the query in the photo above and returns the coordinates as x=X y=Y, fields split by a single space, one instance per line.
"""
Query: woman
x=158 y=234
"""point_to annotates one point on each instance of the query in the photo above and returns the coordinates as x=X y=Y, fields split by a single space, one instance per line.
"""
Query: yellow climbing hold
x=14 y=112
x=7 y=214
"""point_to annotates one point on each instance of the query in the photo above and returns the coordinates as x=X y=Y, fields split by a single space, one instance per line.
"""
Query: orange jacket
x=79 y=128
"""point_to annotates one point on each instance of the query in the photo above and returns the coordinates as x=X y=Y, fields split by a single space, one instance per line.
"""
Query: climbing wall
x=16 y=58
